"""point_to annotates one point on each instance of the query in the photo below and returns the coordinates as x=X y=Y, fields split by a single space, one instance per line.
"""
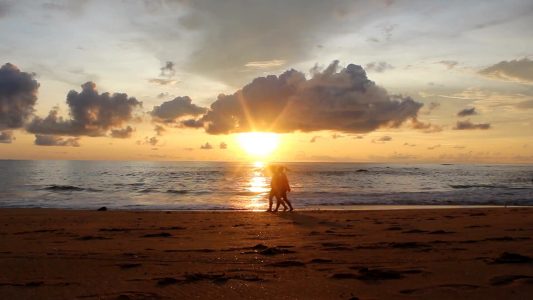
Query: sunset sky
x=368 y=81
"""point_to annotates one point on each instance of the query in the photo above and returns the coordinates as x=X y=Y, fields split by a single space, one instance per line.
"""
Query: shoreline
x=376 y=207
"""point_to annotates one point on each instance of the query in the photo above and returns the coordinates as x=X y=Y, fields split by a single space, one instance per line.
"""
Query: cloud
x=425 y=127
x=434 y=147
x=122 y=133
x=342 y=100
x=467 y=125
x=382 y=140
x=159 y=130
x=265 y=64
x=527 y=104
x=227 y=46
x=168 y=69
x=6 y=137
x=148 y=141
x=378 y=67
x=409 y=145
x=18 y=94
x=314 y=139
x=91 y=114
x=170 y=111
x=223 y=146
x=162 y=81
x=336 y=136
x=450 y=64
x=53 y=140
x=430 y=108
x=515 y=70
x=467 y=112
x=206 y=146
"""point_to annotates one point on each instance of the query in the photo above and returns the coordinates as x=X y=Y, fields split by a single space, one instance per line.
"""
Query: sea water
x=245 y=186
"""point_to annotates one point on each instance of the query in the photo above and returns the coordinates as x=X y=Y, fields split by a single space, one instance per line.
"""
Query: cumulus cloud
x=467 y=125
x=18 y=94
x=122 y=133
x=170 y=111
x=520 y=70
x=6 y=137
x=467 y=112
x=339 y=99
x=91 y=114
x=206 y=146
x=223 y=146
x=378 y=66
x=53 y=140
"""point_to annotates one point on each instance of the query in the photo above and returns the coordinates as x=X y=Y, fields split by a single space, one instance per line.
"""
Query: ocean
x=245 y=186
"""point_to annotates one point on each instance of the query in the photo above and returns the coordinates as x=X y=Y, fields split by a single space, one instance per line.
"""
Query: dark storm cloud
x=467 y=112
x=514 y=70
x=170 y=111
x=467 y=125
x=206 y=146
x=337 y=99
x=122 y=133
x=18 y=94
x=378 y=66
x=53 y=140
x=6 y=137
x=91 y=114
x=527 y=104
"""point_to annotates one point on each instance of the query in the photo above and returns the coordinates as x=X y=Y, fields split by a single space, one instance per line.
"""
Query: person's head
x=281 y=169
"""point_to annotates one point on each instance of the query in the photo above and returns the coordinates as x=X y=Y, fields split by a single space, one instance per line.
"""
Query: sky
x=364 y=81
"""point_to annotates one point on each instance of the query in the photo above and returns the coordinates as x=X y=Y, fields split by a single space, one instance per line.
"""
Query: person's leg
x=278 y=202
x=286 y=200
x=270 y=202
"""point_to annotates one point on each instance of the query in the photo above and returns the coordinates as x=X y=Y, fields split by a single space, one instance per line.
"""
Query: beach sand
x=482 y=253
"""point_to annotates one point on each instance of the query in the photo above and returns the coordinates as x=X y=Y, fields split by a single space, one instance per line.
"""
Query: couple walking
x=279 y=186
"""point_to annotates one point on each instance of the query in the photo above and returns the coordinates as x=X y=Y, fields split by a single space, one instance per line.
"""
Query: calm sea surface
x=218 y=185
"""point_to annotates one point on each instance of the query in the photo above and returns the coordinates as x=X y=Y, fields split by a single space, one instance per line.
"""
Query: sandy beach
x=482 y=253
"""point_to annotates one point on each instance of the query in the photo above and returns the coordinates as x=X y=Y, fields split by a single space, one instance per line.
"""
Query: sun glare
x=259 y=144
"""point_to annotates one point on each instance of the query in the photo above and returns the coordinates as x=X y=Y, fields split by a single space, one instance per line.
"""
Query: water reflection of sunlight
x=258 y=186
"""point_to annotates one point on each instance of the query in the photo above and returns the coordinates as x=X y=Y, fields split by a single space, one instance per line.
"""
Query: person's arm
x=287 y=183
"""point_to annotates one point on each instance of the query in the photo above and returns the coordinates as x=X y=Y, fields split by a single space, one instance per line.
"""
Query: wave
x=177 y=191
x=63 y=188
x=472 y=186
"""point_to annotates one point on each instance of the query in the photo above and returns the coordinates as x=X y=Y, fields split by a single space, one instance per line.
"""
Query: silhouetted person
x=282 y=187
x=274 y=189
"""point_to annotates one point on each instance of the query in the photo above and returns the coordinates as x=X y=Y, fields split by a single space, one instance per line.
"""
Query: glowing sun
x=258 y=143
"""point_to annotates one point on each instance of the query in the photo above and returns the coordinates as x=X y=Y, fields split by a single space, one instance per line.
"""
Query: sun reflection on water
x=258 y=186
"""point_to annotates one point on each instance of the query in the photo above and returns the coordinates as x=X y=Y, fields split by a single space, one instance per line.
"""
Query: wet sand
x=468 y=253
